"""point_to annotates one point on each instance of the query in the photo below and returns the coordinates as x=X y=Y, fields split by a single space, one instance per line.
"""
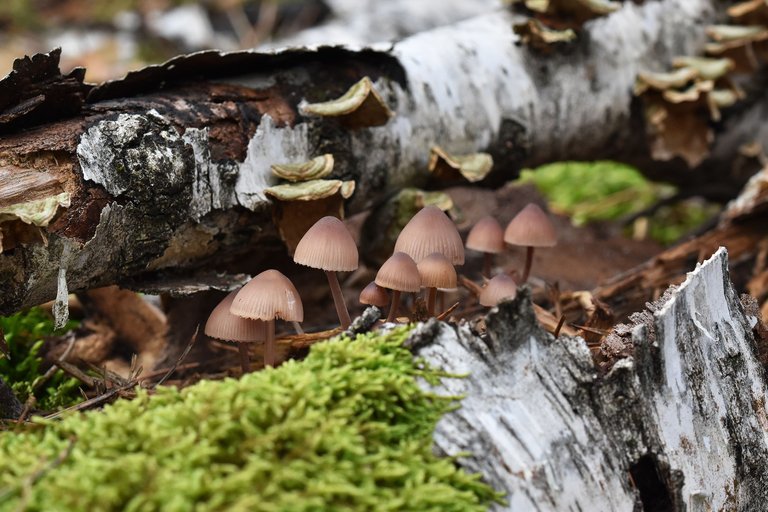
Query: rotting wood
x=178 y=154
x=680 y=424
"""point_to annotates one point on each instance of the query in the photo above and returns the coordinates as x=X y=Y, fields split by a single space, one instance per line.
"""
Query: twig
x=447 y=312
x=54 y=367
x=180 y=359
x=559 y=326
x=92 y=402
x=76 y=372
x=470 y=285
x=28 y=405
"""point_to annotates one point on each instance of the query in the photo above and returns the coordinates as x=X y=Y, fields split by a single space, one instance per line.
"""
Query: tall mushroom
x=431 y=230
x=436 y=272
x=327 y=245
x=225 y=326
x=487 y=236
x=400 y=274
x=530 y=228
x=500 y=287
x=268 y=296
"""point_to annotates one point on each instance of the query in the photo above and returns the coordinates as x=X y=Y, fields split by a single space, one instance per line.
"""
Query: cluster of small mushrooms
x=425 y=255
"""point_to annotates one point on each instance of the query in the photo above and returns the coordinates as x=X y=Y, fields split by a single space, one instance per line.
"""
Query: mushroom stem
x=431 y=295
x=441 y=301
x=338 y=299
x=487 y=264
x=245 y=357
x=297 y=328
x=393 y=306
x=528 y=263
x=270 y=347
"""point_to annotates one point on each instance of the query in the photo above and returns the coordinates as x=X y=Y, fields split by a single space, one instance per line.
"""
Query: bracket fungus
x=318 y=167
x=530 y=228
x=299 y=205
x=447 y=168
x=436 y=271
x=399 y=274
x=431 y=230
x=497 y=289
x=360 y=107
x=268 y=296
x=747 y=45
x=679 y=105
x=225 y=326
x=568 y=13
x=487 y=237
x=534 y=34
x=329 y=246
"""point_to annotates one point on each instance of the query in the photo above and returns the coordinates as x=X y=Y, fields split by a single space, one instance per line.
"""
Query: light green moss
x=346 y=429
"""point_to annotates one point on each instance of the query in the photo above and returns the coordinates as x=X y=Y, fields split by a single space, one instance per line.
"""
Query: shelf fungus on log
x=679 y=105
x=678 y=422
x=747 y=46
x=297 y=206
x=360 y=107
x=451 y=169
x=569 y=13
x=535 y=34
x=317 y=168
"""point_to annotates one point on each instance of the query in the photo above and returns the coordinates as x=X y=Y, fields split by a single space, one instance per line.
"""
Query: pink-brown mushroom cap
x=532 y=228
x=374 y=295
x=223 y=325
x=399 y=273
x=431 y=230
x=486 y=235
x=437 y=272
x=268 y=296
x=327 y=245
x=500 y=287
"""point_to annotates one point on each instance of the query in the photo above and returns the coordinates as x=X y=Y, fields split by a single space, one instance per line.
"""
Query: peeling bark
x=680 y=425
x=165 y=170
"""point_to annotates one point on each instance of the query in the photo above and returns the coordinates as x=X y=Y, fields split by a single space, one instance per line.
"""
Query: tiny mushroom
x=436 y=272
x=487 y=236
x=400 y=274
x=500 y=287
x=327 y=245
x=225 y=326
x=268 y=296
x=374 y=295
x=431 y=230
x=530 y=228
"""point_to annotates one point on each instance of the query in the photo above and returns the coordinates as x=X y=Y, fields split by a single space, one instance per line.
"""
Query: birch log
x=679 y=425
x=163 y=172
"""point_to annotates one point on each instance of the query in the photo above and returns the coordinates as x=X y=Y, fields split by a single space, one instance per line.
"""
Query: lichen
x=348 y=428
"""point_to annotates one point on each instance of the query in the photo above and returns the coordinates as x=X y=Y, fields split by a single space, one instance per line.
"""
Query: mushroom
x=530 y=228
x=400 y=274
x=431 y=230
x=225 y=326
x=268 y=296
x=436 y=272
x=487 y=236
x=500 y=287
x=374 y=295
x=327 y=245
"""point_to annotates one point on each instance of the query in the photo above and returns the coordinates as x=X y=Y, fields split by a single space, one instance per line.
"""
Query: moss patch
x=25 y=333
x=346 y=429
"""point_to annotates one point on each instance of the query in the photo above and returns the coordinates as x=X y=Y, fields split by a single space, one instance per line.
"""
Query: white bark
x=685 y=417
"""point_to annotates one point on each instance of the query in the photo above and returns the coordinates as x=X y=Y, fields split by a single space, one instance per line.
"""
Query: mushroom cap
x=223 y=325
x=532 y=228
x=327 y=245
x=399 y=273
x=437 y=272
x=486 y=236
x=268 y=296
x=500 y=287
x=431 y=230
x=374 y=295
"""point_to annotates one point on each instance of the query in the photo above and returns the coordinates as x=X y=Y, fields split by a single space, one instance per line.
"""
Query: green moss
x=25 y=333
x=606 y=190
x=346 y=429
